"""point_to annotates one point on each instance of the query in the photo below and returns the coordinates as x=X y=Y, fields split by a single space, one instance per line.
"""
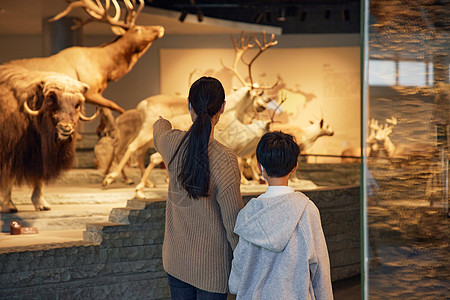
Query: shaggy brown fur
x=36 y=149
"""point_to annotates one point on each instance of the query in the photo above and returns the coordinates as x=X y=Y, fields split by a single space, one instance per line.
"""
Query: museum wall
x=332 y=80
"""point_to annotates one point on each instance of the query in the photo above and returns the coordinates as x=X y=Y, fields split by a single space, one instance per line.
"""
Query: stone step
x=60 y=217
x=77 y=199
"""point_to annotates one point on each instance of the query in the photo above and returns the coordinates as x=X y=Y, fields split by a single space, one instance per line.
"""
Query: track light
x=182 y=16
x=258 y=17
x=303 y=15
x=282 y=16
x=200 y=16
x=346 y=14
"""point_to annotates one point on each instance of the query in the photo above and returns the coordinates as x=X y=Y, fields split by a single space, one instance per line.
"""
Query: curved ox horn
x=29 y=110
x=87 y=119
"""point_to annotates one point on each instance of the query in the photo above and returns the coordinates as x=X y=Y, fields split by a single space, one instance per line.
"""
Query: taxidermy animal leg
x=5 y=199
x=241 y=169
x=125 y=178
x=142 y=139
x=141 y=154
x=37 y=198
x=253 y=163
x=155 y=159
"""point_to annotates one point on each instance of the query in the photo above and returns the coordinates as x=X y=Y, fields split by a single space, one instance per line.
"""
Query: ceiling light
x=282 y=16
x=182 y=16
x=258 y=17
x=303 y=15
x=346 y=14
x=200 y=16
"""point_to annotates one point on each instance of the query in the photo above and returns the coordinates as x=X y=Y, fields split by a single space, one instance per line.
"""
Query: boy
x=282 y=253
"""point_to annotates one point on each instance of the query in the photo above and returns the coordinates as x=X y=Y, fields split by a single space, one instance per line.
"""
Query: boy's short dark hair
x=278 y=153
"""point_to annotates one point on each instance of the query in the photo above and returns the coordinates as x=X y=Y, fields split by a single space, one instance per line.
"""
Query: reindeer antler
x=239 y=50
x=101 y=13
x=266 y=45
x=381 y=132
x=283 y=98
x=242 y=46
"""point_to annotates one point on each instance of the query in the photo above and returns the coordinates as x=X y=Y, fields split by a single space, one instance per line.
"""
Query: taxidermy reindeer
x=239 y=137
x=247 y=102
x=39 y=115
x=305 y=138
x=96 y=66
x=410 y=156
x=378 y=142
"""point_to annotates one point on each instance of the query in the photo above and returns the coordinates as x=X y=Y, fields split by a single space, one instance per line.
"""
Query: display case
x=405 y=119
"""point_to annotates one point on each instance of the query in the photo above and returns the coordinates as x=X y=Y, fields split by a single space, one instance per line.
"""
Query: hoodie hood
x=270 y=222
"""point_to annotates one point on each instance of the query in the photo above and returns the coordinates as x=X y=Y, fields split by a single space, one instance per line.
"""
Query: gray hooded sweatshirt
x=282 y=253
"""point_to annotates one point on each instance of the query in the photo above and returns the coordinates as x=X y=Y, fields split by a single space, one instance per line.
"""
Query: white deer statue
x=243 y=105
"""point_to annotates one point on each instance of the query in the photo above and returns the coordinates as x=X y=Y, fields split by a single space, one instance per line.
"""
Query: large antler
x=266 y=45
x=101 y=12
x=239 y=50
x=242 y=46
x=381 y=132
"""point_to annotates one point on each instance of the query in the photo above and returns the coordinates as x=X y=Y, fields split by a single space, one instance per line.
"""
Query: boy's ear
x=222 y=109
x=259 y=167
x=294 y=169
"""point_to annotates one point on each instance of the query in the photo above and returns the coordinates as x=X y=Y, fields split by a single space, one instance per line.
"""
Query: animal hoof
x=139 y=195
x=43 y=208
x=109 y=179
x=8 y=211
x=9 y=208
x=129 y=182
x=149 y=184
x=244 y=181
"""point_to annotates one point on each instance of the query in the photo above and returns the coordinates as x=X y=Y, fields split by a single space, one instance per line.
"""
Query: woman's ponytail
x=206 y=98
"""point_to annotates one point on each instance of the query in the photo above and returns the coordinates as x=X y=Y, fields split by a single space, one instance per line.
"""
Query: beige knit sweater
x=199 y=239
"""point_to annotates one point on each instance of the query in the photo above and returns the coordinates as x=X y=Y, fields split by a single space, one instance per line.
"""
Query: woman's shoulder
x=221 y=151
x=223 y=161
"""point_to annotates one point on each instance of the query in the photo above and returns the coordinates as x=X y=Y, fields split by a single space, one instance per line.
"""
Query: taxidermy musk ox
x=39 y=115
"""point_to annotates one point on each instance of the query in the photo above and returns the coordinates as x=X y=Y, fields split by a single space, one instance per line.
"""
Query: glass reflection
x=408 y=115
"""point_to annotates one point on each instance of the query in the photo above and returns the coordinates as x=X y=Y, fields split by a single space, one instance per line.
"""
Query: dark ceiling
x=301 y=16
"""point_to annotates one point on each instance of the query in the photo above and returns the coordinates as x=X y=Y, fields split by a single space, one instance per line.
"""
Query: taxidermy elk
x=39 y=115
x=96 y=66
x=246 y=100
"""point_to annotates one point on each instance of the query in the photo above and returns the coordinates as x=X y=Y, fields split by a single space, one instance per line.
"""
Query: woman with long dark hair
x=203 y=198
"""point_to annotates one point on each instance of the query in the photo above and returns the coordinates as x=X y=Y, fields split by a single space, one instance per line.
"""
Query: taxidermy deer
x=244 y=104
x=305 y=138
x=96 y=66
x=378 y=142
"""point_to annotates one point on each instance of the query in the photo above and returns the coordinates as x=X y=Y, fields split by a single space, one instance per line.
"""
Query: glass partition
x=406 y=115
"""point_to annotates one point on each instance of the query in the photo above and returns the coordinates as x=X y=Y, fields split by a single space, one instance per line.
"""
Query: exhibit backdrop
x=316 y=81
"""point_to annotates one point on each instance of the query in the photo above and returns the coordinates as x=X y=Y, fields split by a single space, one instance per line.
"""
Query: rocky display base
x=106 y=244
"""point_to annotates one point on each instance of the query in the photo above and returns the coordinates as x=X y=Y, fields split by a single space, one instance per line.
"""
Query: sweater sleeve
x=236 y=273
x=159 y=127
x=320 y=268
x=230 y=202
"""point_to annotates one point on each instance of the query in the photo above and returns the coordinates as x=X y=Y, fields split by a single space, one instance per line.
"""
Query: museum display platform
x=94 y=237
